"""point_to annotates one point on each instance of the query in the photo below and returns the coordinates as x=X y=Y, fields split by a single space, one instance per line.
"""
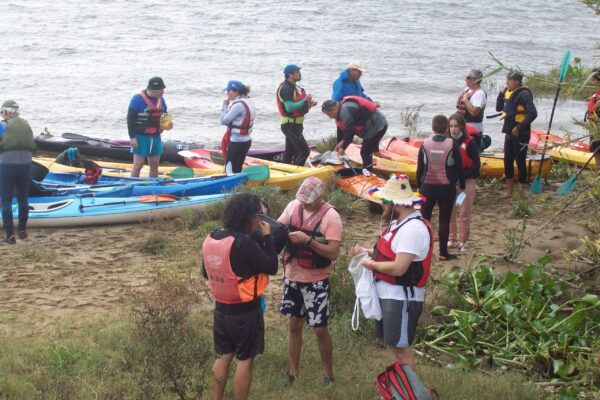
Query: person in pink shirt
x=315 y=234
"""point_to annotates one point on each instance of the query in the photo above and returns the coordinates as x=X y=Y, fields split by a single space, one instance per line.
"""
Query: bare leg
x=509 y=187
x=326 y=349
x=219 y=375
x=138 y=163
x=153 y=164
x=404 y=355
x=242 y=379
x=295 y=344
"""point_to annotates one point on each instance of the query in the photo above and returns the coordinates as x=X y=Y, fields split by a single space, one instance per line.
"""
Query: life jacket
x=418 y=271
x=462 y=108
x=304 y=255
x=294 y=117
x=593 y=107
x=436 y=159
x=510 y=110
x=149 y=119
x=467 y=162
x=366 y=111
x=245 y=128
x=92 y=172
x=225 y=286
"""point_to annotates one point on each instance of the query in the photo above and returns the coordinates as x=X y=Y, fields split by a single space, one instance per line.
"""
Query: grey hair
x=476 y=74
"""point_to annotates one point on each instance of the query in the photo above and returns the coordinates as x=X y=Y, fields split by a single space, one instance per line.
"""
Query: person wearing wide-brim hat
x=400 y=263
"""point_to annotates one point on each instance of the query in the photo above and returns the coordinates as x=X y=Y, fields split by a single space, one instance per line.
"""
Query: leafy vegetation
x=527 y=320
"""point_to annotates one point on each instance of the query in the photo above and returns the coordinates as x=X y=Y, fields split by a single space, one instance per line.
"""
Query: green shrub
x=157 y=244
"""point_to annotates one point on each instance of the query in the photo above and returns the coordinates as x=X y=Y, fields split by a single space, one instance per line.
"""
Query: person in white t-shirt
x=400 y=262
x=471 y=101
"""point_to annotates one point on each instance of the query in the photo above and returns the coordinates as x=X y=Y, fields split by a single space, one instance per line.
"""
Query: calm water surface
x=73 y=66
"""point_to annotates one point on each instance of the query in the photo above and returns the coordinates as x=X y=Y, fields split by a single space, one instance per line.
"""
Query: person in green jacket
x=16 y=151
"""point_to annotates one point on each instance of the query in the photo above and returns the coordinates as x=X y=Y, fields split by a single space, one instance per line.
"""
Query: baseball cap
x=290 y=68
x=357 y=65
x=156 y=83
x=235 y=85
x=311 y=189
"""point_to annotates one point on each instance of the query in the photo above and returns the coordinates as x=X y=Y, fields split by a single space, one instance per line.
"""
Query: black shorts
x=242 y=334
x=594 y=145
x=398 y=326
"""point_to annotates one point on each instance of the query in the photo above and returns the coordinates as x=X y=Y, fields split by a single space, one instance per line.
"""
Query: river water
x=74 y=65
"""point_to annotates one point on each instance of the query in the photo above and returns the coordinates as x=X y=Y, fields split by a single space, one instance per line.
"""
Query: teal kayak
x=47 y=212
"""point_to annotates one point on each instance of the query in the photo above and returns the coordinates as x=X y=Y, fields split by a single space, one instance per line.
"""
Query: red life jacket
x=156 y=112
x=299 y=94
x=462 y=108
x=368 y=108
x=467 y=162
x=225 y=286
x=245 y=128
x=593 y=112
x=436 y=159
x=418 y=271
x=304 y=255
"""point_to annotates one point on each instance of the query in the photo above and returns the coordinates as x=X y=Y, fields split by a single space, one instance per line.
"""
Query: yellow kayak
x=283 y=175
x=572 y=156
x=492 y=165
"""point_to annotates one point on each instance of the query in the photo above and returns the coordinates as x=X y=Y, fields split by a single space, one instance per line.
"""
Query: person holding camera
x=237 y=264
x=313 y=244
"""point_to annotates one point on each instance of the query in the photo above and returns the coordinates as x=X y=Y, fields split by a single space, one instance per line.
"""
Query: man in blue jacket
x=348 y=83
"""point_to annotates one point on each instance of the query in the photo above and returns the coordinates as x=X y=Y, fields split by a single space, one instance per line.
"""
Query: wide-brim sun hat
x=397 y=191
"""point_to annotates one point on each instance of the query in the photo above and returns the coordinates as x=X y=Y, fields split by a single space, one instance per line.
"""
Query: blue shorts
x=307 y=300
x=148 y=146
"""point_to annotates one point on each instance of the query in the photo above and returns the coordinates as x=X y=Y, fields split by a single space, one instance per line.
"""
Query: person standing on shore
x=357 y=116
x=348 y=83
x=237 y=114
x=144 y=116
x=293 y=103
x=400 y=263
x=439 y=168
x=519 y=112
x=314 y=242
x=471 y=103
x=593 y=117
x=16 y=149
x=469 y=152
x=237 y=264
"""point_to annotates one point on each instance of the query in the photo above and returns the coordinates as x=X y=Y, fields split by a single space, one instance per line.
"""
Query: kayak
x=285 y=176
x=492 y=165
x=47 y=212
x=350 y=180
x=121 y=149
x=193 y=187
x=386 y=162
x=577 y=153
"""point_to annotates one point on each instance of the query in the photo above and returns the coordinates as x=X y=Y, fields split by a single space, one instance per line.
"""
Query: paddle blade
x=157 y=198
x=536 y=186
x=257 y=172
x=567 y=187
x=564 y=67
x=188 y=154
x=181 y=173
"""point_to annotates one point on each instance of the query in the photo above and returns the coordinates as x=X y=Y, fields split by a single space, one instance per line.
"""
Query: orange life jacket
x=593 y=107
x=153 y=120
x=299 y=94
x=225 y=286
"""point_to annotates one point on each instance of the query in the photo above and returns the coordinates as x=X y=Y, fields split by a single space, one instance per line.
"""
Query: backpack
x=399 y=382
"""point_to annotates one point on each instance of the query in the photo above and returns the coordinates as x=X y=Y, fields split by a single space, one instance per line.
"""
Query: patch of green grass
x=521 y=206
x=158 y=244
x=326 y=144
x=576 y=84
x=514 y=240
x=37 y=254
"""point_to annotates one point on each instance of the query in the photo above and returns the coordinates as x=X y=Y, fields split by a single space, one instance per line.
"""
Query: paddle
x=151 y=198
x=347 y=164
x=493 y=115
x=76 y=136
x=536 y=186
x=568 y=186
x=257 y=172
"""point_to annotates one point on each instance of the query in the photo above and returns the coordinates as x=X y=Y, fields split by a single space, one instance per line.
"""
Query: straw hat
x=397 y=190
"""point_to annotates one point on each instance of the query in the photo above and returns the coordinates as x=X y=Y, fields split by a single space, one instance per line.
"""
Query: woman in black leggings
x=439 y=166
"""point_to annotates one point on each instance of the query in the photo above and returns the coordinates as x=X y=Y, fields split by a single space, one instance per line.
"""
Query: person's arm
x=460 y=171
x=398 y=267
x=131 y=116
x=471 y=108
x=348 y=120
x=338 y=90
x=500 y=100
x=228 y=116
x=473 y=152
x=260 y=259
x=420 y=166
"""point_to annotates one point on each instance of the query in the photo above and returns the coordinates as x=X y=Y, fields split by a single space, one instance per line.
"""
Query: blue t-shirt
x=2 y=128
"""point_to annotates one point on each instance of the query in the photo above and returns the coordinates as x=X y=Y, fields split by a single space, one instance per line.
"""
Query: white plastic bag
x=366 y=291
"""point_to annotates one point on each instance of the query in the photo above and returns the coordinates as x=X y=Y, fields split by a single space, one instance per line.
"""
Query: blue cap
x=290 y=68
x=235 y=85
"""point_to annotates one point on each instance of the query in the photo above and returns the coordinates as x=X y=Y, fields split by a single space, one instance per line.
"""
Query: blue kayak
x=69 y=211
x=180 y=187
